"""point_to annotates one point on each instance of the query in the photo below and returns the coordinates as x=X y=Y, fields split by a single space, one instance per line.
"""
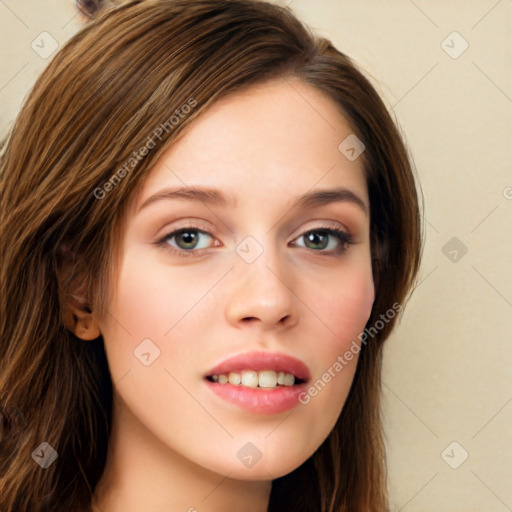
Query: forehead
x=272 y=140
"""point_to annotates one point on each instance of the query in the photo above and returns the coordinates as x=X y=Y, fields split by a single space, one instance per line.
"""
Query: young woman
x=209 y=224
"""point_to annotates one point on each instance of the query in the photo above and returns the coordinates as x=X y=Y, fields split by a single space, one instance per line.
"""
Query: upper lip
x=258 y=361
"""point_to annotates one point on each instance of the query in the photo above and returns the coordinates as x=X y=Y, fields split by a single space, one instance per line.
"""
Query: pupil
x=313 y=236
x=188 y=237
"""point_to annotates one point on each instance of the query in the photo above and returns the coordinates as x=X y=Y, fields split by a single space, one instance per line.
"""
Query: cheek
x=152 y=300
x=345 y=303
x=340 y=310
x=148 y=306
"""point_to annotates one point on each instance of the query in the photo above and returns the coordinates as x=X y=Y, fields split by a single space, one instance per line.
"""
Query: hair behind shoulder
x=104 y=93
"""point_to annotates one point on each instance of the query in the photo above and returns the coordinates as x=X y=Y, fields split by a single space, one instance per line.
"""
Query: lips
x=259 y=361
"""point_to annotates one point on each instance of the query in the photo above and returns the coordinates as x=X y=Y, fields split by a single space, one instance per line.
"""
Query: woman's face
x=253 y=273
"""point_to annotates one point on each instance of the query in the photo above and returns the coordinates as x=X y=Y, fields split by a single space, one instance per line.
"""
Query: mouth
x=260 y=382
x=266 y=379
x=263 y=379
x=278 y=393
x=260 y=369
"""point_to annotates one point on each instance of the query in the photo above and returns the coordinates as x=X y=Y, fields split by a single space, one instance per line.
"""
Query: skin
x=174 y=443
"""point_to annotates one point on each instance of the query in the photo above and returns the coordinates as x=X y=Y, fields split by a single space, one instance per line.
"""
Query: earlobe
x=79 y=319
x=86 y=329
x=76 y=314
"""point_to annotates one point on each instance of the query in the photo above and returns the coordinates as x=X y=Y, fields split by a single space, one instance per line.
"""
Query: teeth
x=252 y=379
x=289 y=379
x=234 y=378
x=268 y=379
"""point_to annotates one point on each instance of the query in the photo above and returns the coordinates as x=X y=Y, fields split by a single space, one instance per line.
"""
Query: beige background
x=448 y=374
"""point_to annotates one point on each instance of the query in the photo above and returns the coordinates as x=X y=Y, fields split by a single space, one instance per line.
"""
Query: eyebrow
x=213 y=196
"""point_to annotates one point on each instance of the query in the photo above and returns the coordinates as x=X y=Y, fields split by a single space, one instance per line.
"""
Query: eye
x=331 y=238
x=185 y=240
x=188 y=241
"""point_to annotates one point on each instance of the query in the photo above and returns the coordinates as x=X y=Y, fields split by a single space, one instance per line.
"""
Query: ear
x=78 y=317
x=76 y=312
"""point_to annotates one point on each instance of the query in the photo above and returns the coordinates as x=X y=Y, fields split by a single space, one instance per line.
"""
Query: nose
x=262 y=294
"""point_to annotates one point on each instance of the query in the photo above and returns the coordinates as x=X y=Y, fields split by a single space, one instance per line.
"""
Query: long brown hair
x=96 y=103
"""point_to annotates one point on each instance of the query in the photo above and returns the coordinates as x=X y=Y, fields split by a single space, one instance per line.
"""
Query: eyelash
x=344 y=238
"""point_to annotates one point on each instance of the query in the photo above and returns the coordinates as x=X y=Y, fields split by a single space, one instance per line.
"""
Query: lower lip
x=260 y=400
